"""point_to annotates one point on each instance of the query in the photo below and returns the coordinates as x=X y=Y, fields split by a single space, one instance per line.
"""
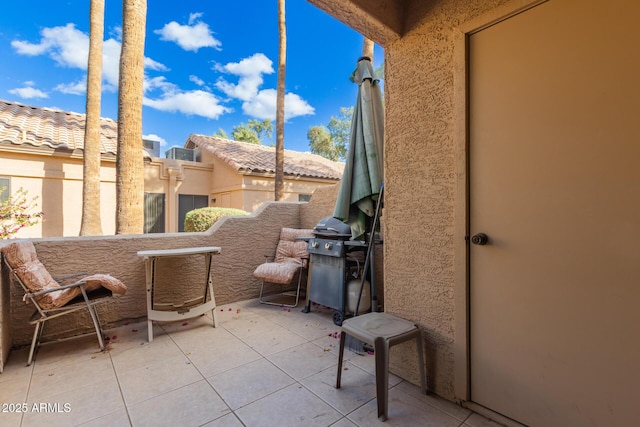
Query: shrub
x=202 y=219
x=16 y=213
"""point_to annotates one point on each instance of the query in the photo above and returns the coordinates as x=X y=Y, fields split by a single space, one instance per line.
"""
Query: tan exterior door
x=554 y=173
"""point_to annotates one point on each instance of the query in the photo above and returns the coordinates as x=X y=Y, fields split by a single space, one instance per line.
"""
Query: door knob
x=480 y=239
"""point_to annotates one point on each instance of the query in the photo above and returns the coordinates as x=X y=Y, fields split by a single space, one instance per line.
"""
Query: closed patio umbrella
x=363 y=173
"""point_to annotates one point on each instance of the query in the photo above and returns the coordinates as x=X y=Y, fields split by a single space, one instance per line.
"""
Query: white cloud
x=263 y=105
x=258 y=103
x=193 y=36
x=197 y=80
x=28 y=92
x=150 y=64
x=197 y=103
x=66 y=45
x=116 y=32
x=295 y=106
x=110 y=64
x=69 y=47
x=250 y=71
x=161 y=83
x=193 y=17
x=77 y=88
x=154 y=137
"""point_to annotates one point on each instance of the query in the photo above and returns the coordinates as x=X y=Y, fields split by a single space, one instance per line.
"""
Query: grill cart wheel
x=338 y=317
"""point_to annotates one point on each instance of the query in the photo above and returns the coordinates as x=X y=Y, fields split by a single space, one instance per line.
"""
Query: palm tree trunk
x=129 y=161
x=90 y=224
x=367 y=48
x=282 y=61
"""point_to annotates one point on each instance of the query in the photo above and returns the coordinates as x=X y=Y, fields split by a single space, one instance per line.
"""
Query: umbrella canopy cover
x=363 y=172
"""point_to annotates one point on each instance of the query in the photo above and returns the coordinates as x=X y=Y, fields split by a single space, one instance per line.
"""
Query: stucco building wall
x=55 y=178
x=421 y=164
x=52 y=178
x=248 y=191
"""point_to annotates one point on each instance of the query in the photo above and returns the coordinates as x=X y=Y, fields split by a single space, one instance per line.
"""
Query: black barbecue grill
x=333 y=259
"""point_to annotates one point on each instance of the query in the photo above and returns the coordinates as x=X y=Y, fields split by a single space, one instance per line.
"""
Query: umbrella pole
x=352 y=343
x=368 y=260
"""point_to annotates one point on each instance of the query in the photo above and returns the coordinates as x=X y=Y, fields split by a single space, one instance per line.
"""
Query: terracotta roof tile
x=254 y=158
x=24 y=124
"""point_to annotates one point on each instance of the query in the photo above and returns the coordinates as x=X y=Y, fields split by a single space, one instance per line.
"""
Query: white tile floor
x=262 y=366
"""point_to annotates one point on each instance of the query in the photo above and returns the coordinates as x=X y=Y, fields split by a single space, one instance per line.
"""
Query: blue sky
x=209 y=64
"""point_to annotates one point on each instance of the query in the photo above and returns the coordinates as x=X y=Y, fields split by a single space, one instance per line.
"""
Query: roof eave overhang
x=27 y=148
x=379 y=20
x=268 y=174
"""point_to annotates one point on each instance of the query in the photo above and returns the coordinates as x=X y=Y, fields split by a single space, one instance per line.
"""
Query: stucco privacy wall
x=244 y=242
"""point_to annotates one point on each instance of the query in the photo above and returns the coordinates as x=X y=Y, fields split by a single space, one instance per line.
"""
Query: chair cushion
x=106 y=281
x=289 y=249
x=292 y=234
x=277 y=272
x=21 y=256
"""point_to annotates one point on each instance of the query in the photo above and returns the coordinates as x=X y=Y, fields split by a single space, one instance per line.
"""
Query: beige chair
x=51 y=298
x=290 y=261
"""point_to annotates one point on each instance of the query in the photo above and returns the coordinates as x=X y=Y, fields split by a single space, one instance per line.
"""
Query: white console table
x=169 y=312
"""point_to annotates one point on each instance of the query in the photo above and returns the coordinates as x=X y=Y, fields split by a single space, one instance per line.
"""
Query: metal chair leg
x=343 y=338
x=263 y=301
x=94 y=317
x=35 y=341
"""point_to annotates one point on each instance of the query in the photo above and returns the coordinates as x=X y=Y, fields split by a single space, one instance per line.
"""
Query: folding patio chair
x=52 y=299
x=291 y=257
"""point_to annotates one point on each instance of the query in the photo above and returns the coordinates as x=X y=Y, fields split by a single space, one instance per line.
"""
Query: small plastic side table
x=382 y=331
x=181 y=311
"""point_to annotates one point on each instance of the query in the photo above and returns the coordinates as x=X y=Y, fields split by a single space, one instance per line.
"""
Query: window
x=304 y=197
x=154 y=212
x=189 y=202
x=5 y=186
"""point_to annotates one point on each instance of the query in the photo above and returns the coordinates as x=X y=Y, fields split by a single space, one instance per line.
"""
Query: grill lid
x=331 y=227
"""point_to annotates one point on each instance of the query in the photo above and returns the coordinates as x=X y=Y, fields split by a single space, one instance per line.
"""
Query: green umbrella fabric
x=363 y=172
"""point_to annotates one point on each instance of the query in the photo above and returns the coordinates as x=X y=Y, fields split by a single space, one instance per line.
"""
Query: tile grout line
x=218 y=325
x=124 y=402
x=26 y=397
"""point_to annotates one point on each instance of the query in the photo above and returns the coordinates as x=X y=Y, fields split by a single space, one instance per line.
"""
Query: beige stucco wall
x=249 y=191
x=421 y=182
x=175 y=177
x=56 y=181
x=56 y=178
x=422 y=163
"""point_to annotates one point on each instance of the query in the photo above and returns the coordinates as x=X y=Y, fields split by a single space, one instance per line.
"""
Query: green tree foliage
x=202 y=219
x=332 y=141
x=15 y=213
x=243 y=133
x=221 y=134
x=263 y=128
x=340 y=129
x=255 y=131
x=322 y=144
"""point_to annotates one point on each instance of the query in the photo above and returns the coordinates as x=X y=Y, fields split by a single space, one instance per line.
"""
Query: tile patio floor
x=262 y=366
